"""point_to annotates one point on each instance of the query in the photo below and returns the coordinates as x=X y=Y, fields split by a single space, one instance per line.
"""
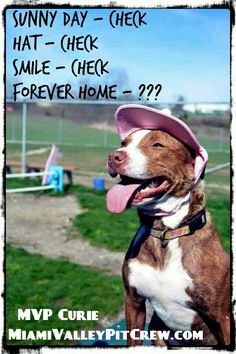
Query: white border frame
x=128 y=4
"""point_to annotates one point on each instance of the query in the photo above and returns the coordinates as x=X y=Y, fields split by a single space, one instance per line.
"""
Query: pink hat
x=130 y=118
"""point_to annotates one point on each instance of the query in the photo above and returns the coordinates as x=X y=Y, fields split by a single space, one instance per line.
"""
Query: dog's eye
x=158 y=145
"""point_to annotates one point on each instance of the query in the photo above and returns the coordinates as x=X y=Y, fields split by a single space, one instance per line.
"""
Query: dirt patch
x=103 y=126
x=42 y=225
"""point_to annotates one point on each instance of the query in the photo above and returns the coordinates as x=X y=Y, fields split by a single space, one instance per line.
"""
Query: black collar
x=194 y=224
x=145 y=230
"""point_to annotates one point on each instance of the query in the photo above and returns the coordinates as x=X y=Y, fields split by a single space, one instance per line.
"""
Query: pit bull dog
x=176 y=260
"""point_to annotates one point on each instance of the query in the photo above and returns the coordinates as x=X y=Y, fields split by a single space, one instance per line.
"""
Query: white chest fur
x=165 y=289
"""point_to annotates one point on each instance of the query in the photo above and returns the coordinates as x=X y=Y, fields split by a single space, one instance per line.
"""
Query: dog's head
x=151 y=163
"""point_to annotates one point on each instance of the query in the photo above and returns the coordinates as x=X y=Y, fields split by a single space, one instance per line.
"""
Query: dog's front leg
x=135 y=313
x=217 y=320
x=224 y=324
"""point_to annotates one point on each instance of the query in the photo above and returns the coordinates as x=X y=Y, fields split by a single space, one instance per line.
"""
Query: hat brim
x=130 y=118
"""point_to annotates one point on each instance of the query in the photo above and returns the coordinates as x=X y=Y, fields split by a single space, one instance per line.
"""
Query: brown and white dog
x=186 y=279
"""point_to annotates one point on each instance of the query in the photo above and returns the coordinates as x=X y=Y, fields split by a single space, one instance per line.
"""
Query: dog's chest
x=165 y=289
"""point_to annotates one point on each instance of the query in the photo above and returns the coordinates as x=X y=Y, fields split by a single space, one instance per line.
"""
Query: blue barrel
x=99 y=183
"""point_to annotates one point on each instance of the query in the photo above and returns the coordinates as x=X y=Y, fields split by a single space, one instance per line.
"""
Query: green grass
x=220 y=178
x=37 y=282
x=83 y=158
x=213 y=143
x=220 y=211
x=102 y=228
x=22 y=182
x=216 y=158
x=47 y=129
x=58 y=283
x=116 y=231
x=31 y=182
x=89 y=159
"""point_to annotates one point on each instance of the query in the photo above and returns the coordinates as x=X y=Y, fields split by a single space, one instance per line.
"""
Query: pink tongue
x=118 y=197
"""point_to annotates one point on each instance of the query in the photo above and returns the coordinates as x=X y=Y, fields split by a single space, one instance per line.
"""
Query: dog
x=176 y=260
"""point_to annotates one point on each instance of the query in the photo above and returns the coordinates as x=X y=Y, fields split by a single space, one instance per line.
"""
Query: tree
x=178 y=107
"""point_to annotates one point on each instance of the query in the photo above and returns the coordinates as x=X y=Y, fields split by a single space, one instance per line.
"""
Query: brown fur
x=208 y=265
x=162 y=160
x=203 y=256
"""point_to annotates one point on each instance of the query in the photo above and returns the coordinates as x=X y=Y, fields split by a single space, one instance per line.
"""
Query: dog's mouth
x=130 y=191
x=151 y=188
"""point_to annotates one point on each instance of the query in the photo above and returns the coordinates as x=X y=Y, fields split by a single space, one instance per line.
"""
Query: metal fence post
x=60 y=127
x=105 y=134
x=23 y=151
x=221 y=140
x=13 y=135
x=59 y=133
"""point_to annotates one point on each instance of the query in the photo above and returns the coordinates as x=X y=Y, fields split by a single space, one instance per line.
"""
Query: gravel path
x=43 y=225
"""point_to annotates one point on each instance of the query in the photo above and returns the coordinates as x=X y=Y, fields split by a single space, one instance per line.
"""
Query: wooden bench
x=37 y=167
x=10 y=164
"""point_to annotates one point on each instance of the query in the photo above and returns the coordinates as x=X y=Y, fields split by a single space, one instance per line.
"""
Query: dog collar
x=196 y=223
x=145 y=231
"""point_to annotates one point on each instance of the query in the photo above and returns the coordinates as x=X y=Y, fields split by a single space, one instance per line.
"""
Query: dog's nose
x=116 y=158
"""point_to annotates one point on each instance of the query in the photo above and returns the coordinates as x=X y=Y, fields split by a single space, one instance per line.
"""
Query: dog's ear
x=190 y=160
x=190 y=156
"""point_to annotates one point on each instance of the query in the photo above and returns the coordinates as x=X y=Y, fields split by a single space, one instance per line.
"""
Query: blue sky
x=187 y=51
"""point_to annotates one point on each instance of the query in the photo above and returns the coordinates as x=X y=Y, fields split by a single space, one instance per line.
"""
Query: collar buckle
x=162 y=235
x=196 y=223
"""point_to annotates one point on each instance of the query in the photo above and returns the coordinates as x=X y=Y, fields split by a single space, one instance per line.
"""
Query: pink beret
x=130 y=118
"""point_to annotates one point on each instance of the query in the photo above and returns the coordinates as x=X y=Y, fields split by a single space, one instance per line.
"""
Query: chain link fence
x=92 y=124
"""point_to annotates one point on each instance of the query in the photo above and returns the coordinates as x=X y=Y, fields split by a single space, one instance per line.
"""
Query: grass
x=110 y=231
x=37 y=282
x=116 y=231
x=105 y=231
x=30 y=182
x=83 y=158
x=213 y=143
x=48 y=129
x=220 y=211
x=22 y=182
x=88 y=159
x=65 y=131
x=220 y=178
x=216 y=158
